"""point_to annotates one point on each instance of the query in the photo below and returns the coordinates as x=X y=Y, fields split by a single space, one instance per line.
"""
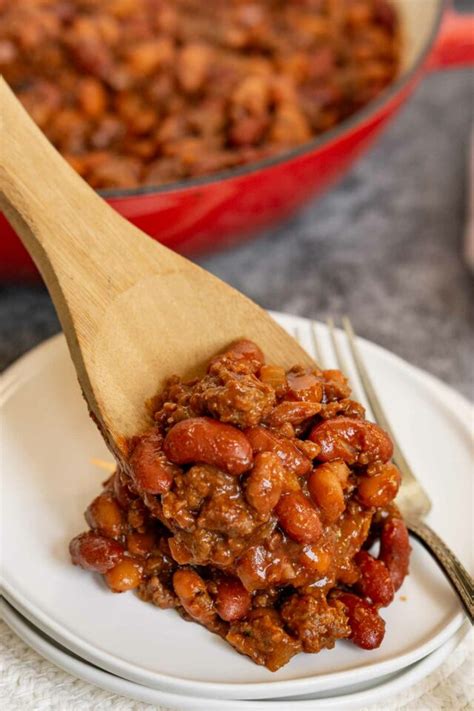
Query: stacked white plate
x=123 y=645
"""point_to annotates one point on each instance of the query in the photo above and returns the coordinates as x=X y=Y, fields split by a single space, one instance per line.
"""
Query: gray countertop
x=384 y=246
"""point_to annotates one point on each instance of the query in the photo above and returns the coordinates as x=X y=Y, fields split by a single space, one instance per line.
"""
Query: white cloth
x=30 y=683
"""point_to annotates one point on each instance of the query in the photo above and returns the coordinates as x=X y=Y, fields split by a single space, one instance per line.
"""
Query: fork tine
x=317 y=346
x=340 y=360
x=367 y=385
x=373 y=400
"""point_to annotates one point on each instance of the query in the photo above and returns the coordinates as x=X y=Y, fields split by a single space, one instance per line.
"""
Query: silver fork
x=412 y=500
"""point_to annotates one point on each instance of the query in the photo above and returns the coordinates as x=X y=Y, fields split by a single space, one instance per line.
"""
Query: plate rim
x=411 y=675
x=21 y=370
x=231 y=690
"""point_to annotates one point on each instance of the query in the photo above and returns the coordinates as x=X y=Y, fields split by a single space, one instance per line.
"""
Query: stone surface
x=384 y=246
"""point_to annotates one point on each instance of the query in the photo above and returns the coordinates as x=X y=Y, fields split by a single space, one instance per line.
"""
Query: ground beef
x=263 y=638
x=314 y=622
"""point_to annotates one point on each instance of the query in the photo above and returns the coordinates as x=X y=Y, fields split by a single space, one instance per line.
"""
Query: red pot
x=210 y=212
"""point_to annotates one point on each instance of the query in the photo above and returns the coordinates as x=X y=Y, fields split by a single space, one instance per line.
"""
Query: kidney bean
x=144 y=59
x=262 y=567
x=367 y=627
x=326 y=491
x=105 y=515
x=232 y=600
x=385 y=15
x=248 y=130
x=246 y=350
x=395 y=550
x=340 y=470
x=180 y=552
x=316 y=558
x=193 y=595
x=290 y=125
x=251 y=96
x=193 y=64
x=264 y=484
x=95 y=552
x=151 y=471
x=352 y=440
x=298 y=518
x=381 y=488
x=375 y=582
x=140 y=544
x=201 y=439
x=92 y=97
x=126 y=575
x=262 y=440
x=293 y=412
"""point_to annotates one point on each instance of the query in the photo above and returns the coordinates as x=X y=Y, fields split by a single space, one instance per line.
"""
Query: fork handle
x=454 y=570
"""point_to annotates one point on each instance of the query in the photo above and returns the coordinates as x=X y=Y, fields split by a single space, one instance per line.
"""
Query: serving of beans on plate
x=147 y=92
x=251 y=505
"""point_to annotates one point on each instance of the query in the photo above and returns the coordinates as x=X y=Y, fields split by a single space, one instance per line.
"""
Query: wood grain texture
x=133 y=312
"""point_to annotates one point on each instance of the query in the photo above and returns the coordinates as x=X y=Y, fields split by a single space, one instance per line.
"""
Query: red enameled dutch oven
x=214 y=211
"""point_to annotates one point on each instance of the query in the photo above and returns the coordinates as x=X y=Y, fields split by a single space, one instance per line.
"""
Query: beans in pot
x=144 y=93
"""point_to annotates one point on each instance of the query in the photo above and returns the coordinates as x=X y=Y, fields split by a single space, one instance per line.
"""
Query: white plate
x=48 y=443
x=352 y=700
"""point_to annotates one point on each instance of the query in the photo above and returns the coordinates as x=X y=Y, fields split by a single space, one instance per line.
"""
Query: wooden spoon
x=133 y=312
